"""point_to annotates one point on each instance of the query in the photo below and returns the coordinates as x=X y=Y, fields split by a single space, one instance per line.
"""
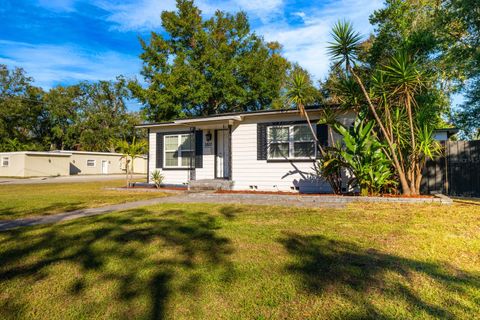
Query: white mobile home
x=270 y=150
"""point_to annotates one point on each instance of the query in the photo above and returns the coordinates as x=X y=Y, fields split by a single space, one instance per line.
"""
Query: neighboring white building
x=86 y=162
x=270 y=150
x=64 y=163
x=444 y=134
x=34 y=164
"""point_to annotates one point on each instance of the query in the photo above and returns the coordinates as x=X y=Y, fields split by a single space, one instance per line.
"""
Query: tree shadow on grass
x=325 y=266
x=140 y=252
x=12 y=213
x=230 y=212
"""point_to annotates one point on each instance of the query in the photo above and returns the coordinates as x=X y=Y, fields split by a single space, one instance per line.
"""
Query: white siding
x=170 y=176
x=271 y=176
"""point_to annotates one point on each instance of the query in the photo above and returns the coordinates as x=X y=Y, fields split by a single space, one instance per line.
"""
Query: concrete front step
x=209 y=184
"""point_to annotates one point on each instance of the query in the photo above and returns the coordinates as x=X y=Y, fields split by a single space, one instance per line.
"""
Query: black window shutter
x=199 y=149
x=159 y=151
x=262 y=141
x=322 y=134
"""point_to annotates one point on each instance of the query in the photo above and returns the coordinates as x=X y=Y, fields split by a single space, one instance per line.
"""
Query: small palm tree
x=130 y=151
x=299 y=93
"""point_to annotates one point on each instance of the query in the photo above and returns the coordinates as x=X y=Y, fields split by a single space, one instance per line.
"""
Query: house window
x=90 y=163
x=5 y=161
x=290 y=142
x=178 y=150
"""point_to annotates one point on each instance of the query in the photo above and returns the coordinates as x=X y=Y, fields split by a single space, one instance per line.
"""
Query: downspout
x=230 y=152
x=148 y=156
x=192 y=155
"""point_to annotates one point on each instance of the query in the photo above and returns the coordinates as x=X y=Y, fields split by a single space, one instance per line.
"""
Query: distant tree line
x=86 y=116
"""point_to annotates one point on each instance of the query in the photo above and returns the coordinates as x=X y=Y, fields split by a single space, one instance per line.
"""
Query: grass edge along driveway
x=22 y=201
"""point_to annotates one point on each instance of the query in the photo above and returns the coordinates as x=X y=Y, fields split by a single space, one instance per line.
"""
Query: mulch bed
x=161 y=188
x=285 y=193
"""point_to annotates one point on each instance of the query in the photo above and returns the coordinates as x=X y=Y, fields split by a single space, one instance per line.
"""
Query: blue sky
x=66 y=41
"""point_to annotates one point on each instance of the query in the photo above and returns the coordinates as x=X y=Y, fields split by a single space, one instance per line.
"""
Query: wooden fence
x=456 y=172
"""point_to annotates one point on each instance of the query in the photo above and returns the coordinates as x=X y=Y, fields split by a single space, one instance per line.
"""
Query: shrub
x=363 y=156
x=157 y=178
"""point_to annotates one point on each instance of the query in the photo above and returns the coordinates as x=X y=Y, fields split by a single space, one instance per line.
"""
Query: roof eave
x=219 y=118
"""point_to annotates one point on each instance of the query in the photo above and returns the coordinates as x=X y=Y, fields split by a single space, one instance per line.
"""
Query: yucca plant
x=391 y=89
x=299 y=94
x=157 y=178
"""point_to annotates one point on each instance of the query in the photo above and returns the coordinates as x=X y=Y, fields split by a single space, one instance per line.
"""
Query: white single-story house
x=268 y=150
x=64 y=163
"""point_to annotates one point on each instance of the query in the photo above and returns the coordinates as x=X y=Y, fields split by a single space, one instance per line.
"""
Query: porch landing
x=209 y=184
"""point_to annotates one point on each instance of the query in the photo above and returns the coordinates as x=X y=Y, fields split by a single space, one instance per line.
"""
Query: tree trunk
x=131 y=169
x=126 y=170
x=418 y=181
x=322 y=152
x=414 y=148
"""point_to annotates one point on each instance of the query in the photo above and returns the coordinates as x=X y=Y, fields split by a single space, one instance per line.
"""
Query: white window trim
x=180 y=157
x=94 y=163
x=291 y=142
x=8 y=161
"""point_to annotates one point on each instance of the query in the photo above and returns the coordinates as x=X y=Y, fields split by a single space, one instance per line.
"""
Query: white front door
x=222 y=154
x=104 y=167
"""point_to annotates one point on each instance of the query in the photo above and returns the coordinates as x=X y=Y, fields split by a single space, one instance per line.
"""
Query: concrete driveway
x=68 y=179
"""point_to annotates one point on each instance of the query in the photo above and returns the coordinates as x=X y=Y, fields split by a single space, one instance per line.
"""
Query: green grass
x=199 y=261
x=20 y=201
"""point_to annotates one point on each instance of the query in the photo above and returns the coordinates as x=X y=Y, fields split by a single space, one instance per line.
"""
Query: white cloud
x=265 y=10
x=144 y=15
x=304 y=45
x=307 y=44
x=58 y=5
x=138 y=15
x=53 y=64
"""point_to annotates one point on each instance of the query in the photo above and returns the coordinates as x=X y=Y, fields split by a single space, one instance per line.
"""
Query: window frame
x=8 y=161
x=291 y=142
x=94 y=163
x=178 y=150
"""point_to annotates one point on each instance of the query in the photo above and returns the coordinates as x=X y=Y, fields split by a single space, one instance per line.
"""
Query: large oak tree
x=200 y=66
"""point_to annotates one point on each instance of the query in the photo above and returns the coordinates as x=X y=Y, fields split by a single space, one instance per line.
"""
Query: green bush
x=363 y=156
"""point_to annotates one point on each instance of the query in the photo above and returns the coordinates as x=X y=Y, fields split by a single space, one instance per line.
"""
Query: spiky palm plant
x=299 y=93
x=346 y=44
x=130 y=151
x=344 y=50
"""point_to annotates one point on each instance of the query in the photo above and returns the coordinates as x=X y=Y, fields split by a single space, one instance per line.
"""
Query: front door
x=222 y=154
x=104 y=167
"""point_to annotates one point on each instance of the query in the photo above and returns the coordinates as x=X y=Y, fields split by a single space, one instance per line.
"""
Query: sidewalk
x=202 y=197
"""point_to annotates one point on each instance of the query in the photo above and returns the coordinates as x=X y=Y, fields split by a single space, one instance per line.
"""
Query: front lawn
x=20 y=201
x=204 y=261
